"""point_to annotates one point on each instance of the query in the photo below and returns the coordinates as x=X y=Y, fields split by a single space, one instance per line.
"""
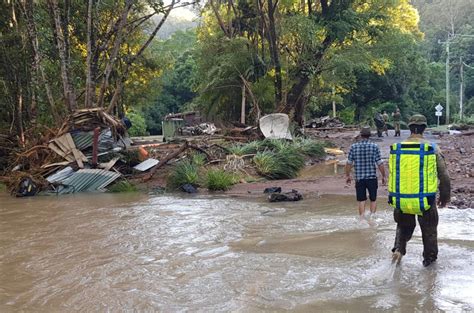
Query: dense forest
x=235 y=61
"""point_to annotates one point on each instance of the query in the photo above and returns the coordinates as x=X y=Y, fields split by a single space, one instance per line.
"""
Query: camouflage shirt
x=397 y=117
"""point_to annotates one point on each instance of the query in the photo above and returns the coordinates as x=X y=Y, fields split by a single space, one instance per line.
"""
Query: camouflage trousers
x=429 y=229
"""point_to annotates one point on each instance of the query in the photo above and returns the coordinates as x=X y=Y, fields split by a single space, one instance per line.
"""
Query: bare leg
x=373 y=206
x=361 y=208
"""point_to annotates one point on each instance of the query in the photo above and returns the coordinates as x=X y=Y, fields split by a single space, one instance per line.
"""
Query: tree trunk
x=38 y=70
x=115 y=51
x=296 y=99
x=219 y=19
x=256 y=107
x=68 y=90
x=273 y=43
x=261 y=27
x=121 y=81
x=19 y=114
x=89 y=97
x=242 y=108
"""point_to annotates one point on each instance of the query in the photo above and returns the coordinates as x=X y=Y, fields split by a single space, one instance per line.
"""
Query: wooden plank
x=55 y=164
x=78 y=158
x=69 y=141
x=63 y=144
x=56 y=149
x=107 y=166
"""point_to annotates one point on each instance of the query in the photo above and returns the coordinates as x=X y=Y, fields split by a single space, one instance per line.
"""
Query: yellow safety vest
x=413 y=178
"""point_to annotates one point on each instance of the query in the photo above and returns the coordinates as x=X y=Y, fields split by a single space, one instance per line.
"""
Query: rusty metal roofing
x=88 y=180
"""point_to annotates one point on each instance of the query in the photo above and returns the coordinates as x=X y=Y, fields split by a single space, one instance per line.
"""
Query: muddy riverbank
x=328 y=177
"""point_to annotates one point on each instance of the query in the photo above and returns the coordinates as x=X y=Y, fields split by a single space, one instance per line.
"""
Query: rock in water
x=188 y=188
x=272 y=190
x=293 y=195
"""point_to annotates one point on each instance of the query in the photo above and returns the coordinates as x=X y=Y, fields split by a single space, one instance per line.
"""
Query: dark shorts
x=366 y=184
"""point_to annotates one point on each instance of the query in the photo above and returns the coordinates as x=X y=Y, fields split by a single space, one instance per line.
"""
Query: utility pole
x=461 y=87
x=452 y=37
x=447 y=74
x=333 y=98
x=447 y=81
x=333 y=102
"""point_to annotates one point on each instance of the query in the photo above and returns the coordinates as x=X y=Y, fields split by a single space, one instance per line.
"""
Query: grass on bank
x=274 y=159
x=279 y=164
x=185 y=172
x=248 y=148
x=123 y=186
x=218 y=179
x=309 y=147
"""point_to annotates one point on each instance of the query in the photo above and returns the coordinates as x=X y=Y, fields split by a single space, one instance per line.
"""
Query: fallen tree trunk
x=165 y=160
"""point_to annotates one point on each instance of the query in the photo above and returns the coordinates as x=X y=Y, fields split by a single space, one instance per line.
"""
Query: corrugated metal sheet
x=61 y=175
x=82 y=140
x=88 y=180
x=106 y=141
x=146 y=165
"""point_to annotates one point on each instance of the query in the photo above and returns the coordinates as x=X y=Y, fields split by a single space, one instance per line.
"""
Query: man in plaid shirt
x=365 y=156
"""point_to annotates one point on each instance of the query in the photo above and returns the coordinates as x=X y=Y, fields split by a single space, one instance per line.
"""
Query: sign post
x=439 y=111
x=438 y=114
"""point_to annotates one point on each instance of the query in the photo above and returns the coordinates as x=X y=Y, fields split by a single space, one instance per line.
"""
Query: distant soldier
x=379 y=123
x=415 y=166
x=365 y=157
x=396 y=121
x=385 y=119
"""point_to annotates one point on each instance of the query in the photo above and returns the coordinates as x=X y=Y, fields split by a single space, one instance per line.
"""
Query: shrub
x=217 y=179
x=138 y=124
x=185 y=172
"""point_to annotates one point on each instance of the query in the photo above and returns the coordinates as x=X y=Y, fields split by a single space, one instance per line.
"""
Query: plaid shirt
x=364 y=155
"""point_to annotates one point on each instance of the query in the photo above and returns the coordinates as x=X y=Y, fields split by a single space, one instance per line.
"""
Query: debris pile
x=201 y=129
x=325 y=122
x=67 y=160
x=92 y=151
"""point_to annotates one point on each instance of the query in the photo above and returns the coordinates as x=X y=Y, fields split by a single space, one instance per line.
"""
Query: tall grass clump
x=248 y=148
x=275 y=144
x=198 y=159
x=310 y=147
x=285 y=163
x=217 y=179
x=185 y=172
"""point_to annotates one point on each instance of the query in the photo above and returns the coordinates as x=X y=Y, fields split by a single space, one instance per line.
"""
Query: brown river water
x=169 y=253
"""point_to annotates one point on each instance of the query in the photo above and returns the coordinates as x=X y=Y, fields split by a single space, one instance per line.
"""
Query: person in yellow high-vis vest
x=415 y=167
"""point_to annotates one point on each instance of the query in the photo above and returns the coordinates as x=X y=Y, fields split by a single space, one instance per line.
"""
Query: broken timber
x=166 y=160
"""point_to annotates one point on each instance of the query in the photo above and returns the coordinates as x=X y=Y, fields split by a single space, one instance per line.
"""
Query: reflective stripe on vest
x=413 y=176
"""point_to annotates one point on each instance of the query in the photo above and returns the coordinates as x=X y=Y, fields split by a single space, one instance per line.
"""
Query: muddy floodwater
x=135 y=252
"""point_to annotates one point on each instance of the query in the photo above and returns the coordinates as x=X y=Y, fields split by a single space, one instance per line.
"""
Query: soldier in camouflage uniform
x=396 y=122
x=429 y=220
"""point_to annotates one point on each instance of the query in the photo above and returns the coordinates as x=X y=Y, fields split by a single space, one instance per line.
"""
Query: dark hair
x=417 y=129
x=365 y=136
